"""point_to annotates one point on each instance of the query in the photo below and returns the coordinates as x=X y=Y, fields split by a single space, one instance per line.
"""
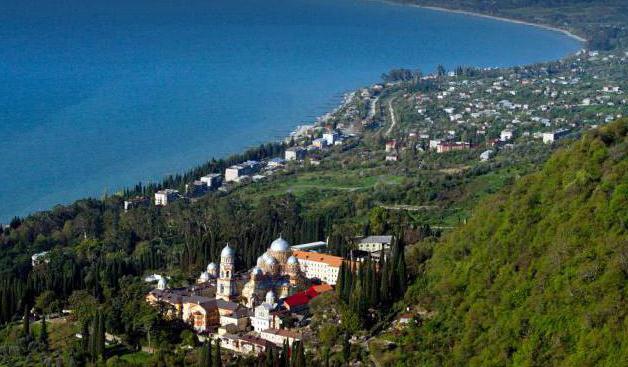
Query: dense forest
x=538 y=275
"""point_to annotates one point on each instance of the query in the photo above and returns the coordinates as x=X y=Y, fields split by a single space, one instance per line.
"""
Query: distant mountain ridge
x=538 y=275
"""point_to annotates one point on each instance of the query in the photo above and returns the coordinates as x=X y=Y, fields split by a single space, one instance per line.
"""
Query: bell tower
x=225 y=285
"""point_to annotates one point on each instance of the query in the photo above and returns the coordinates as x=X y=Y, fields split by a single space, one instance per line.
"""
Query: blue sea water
x=98 y=95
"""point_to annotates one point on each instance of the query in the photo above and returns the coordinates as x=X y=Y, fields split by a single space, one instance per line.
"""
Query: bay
x=98 y=95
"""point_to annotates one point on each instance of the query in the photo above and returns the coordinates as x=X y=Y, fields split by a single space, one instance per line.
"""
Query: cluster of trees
x=401 y=75
x=370 y=286
x=207 y=358
x=178 y=181
x=537 y=276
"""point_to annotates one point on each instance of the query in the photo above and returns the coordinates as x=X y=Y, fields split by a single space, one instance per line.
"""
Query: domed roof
x=211 y=267
x=228 y=251
x=280 y=245
x=162 y=283
x=292 y=261
x=269 y=260
x=204 y=276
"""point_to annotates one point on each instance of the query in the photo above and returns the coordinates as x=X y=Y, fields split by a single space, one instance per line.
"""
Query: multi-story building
x=444 y=147
x=243 y=169
x=319 y=266
x=135 y=202
x=375 y=244
x=331 y=137
x=212 y=180
x=165 y=197
x=294 y=154
x=279 y=336
x=553 y=136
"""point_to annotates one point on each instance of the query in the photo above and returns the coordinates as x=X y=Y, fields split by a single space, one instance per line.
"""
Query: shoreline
x=320 y=120
x=493 y=17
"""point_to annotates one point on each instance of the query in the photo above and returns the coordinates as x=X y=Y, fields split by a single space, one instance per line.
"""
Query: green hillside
x=538 y=275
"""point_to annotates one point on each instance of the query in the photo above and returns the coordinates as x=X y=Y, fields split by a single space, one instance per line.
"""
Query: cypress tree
x=346 y=348
x=26 y=322
x=85 y=337
x=340 y=284
x=300 y=355
x=283 y=358
x=401 y=272
x=293 y=356
x=202 y=357
x=101 y=336
x=374 y=284
x=384 y=290
x=270 y=357
x=209 y=354
x=93 y=336
x=43 y=334
x=218 y=360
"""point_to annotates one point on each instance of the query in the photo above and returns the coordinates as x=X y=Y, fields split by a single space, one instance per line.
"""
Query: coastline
x=320 y=120
x=494 y=17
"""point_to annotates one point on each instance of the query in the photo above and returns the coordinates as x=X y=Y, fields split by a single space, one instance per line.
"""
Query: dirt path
x=393 y=119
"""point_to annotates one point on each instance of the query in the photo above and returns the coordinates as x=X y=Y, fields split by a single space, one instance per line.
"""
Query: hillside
x=538 y=275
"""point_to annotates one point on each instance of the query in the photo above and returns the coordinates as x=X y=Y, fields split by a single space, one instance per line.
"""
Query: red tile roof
x=296 y=300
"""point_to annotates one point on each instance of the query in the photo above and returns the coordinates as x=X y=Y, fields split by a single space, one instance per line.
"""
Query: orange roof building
x=319 y=266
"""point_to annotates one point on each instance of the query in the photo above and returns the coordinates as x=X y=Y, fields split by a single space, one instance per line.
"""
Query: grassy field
x=321 y=181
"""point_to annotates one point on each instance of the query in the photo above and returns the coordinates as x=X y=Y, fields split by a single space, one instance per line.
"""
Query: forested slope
x=538 y=275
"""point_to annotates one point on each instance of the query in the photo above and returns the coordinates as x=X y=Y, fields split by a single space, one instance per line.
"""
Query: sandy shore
x=503 y=19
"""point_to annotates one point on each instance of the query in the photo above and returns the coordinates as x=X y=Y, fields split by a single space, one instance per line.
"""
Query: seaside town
x=484 y=110
x=399 y=228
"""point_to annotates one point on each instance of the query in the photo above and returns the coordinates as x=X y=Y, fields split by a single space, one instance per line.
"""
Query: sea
x=98 y=95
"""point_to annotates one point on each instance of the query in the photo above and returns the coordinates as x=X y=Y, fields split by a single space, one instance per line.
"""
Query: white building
x=278 y=336
x=319 y=266
x=331 y=137
x=243 y=169
x=294 y=154
x=505 y=135
x=311 y=246
x=263 y=318
x=212 y=180
x=40 y=258
x=553 y=136
x=374 y=244
x=167 y=196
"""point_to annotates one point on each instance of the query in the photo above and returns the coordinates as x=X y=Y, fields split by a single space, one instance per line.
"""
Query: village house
x=294 y=154
x=167 y=196
x=135 y=202
x=375 y=245
x=553 y=136
x=196 y=188
x=445 y=147
x=212 y=180
x=233 y=173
